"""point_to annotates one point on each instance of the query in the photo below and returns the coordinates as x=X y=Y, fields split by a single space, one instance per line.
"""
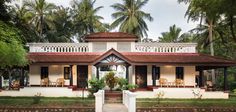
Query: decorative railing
x=166 y=47
x=59 y=47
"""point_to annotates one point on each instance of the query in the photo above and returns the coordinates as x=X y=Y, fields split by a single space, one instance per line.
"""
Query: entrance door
x=82 y=76
x=141 y=76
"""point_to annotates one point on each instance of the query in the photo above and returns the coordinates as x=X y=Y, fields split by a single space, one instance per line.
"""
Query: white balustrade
x=129 y=100
x=99 y=100
x=59 y=47
x=166 y=47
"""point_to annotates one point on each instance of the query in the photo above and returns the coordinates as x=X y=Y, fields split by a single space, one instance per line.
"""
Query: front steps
x=113 y=97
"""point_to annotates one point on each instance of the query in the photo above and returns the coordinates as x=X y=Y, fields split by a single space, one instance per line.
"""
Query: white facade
x=168 y=72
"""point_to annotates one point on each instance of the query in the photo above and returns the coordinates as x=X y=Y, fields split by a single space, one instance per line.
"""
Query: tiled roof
x=133 y=58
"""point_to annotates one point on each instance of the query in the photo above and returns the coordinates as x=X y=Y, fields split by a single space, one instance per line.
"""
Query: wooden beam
x=71 y=75
x=154 y=75
x=201 y=76
x=97 y=67
x=225 y=79
x=127 y=72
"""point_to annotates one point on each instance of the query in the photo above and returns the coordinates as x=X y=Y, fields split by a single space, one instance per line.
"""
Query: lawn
x=89 y=102
x=46 y=101
x=231 y=102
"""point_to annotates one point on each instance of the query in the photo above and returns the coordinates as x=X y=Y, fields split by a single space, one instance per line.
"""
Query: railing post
x=129 y=100
x=99 y=100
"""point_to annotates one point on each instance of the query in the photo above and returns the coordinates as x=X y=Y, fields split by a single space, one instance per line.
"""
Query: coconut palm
x=85 y=18
x=61 y=29
x=130 y=18
x=207 y=10
x=174 y=35
x=39 y=10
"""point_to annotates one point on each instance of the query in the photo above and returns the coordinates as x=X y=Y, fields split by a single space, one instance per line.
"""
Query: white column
x=149 y=75
x=90 y=47
x=99 y=100
x=129 y=100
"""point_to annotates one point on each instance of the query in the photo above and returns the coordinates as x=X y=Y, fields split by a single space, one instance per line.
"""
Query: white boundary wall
x=183 y=93
x=99 y=100
x=45 y=91
x=129 y=100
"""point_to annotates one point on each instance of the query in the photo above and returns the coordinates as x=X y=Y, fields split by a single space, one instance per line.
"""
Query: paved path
x=114 y=107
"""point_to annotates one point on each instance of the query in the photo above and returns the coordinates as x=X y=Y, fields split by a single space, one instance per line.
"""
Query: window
x=156 y=73
x=66 y=72
x=179 y=72
x=44 y=72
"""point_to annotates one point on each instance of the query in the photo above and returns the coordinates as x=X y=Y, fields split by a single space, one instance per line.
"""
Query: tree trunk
x=211 y=48
x=232 y=27
x=10 y=78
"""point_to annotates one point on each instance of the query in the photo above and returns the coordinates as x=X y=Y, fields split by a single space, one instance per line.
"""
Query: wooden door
x=82 y=76
x=141 y=76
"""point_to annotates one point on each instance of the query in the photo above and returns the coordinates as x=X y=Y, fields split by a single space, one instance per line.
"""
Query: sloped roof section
x=178 y=58
x=111 y=37
x=135 y=58
x=73 y=58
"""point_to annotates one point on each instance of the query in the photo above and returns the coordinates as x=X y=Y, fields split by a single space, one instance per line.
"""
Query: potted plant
x=111 y=80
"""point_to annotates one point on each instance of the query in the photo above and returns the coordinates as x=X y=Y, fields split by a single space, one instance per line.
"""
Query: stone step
x=114 y=108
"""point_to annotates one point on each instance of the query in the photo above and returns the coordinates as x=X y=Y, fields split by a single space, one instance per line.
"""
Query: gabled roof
x=111 y=52
x=111 y=37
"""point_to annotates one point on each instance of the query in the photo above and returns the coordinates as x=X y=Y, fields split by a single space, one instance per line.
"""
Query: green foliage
x=131 y=86
x=39 y=11
x=130 y=18
x=4 y=15
x=174 y=35
x=122 y=82
x=11 y=50
x=111 y=80
x=37 y=98
x=85 y=18
x=96 y=85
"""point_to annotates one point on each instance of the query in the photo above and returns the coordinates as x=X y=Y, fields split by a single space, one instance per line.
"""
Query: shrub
x=122 y=83
x=95 y=85
x=37 y=98
x=131 y=86
x=234 y=91
x=111 y=80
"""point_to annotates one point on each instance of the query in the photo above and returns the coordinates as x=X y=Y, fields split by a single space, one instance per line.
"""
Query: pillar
x=0 y=82
x=201 y=75
x=22 y=77
x=97 y=72
x=71 y=75
x=153 y=75
x=225 y=79
x=127 y=72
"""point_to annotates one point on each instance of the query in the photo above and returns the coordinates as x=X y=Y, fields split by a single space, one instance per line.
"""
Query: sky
x=165 y=13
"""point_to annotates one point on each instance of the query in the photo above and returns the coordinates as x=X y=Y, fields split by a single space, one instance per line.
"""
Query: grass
x=89 y=102
x=46 y=101
x=231 y=102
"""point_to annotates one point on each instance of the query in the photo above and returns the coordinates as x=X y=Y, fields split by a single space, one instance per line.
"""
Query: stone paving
x=114 y=107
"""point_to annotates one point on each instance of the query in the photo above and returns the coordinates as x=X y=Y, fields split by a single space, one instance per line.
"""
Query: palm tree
x=208 y=10
x=174 y=35
x=61 y=29
x=85 y=18
x=39 y=10
x=130 y=18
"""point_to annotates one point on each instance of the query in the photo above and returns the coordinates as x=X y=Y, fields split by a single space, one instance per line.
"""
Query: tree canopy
x=130 y=18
